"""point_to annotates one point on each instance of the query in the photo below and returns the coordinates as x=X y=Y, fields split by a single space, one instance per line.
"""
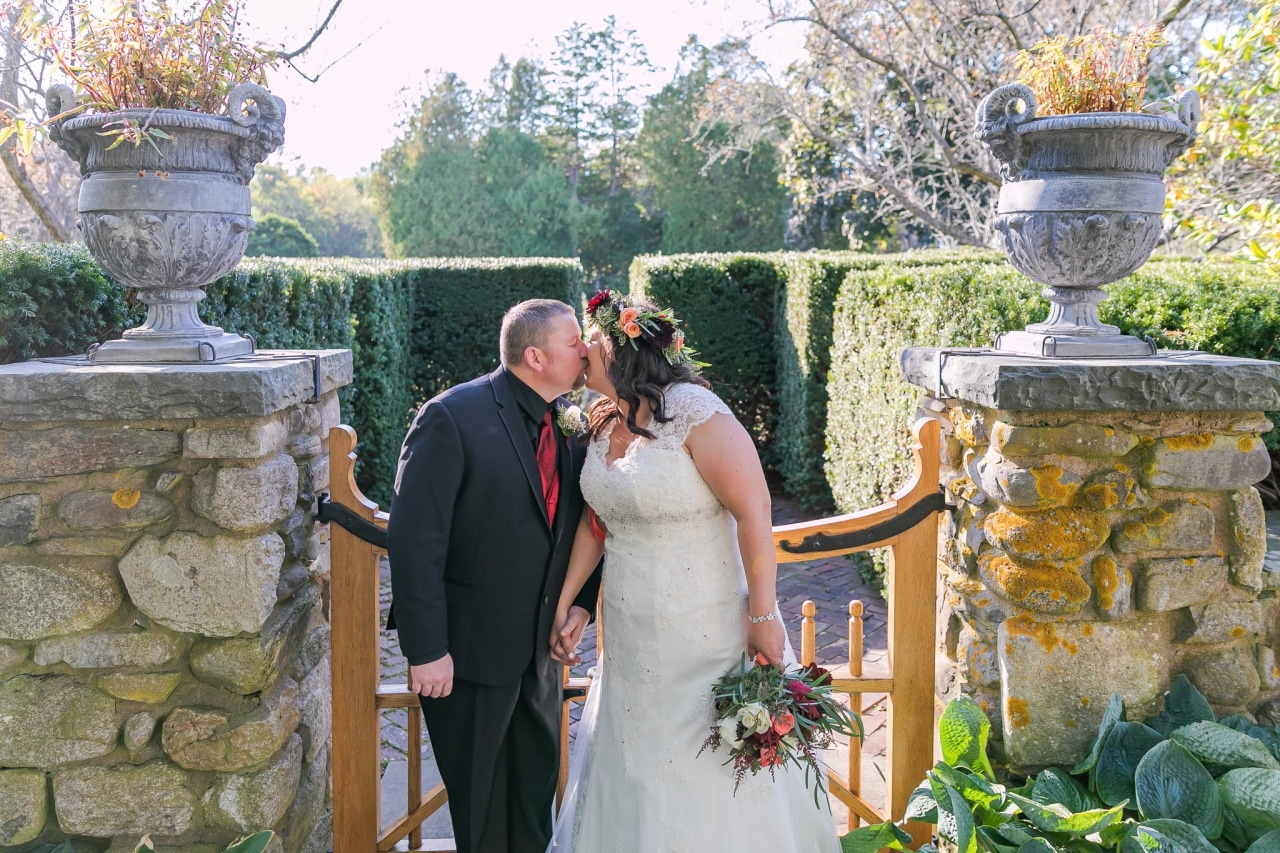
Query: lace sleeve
x=689 y=405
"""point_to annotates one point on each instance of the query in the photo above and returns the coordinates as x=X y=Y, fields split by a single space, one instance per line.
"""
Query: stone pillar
x=164 y=641
x=1106 y=537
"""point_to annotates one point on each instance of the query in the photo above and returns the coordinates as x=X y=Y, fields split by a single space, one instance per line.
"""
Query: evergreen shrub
x=415 y=327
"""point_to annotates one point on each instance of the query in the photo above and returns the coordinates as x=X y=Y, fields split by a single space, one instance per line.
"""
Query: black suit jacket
x=476 y=569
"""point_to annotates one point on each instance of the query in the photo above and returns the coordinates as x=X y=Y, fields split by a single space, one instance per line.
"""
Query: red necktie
x=547 y=466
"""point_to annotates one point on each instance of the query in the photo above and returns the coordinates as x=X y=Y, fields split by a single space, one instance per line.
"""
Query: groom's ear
x=533 y=359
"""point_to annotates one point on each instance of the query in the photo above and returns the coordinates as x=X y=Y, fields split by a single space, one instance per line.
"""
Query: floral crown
x=610 y=312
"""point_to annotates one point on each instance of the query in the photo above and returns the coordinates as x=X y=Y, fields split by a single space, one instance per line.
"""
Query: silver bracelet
x=756 y=620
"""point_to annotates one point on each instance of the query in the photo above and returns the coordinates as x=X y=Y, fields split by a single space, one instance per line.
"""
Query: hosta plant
x=1179 y=782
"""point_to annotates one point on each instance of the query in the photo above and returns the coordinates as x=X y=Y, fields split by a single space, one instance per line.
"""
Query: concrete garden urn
x=167 y=216
x=1081 y=206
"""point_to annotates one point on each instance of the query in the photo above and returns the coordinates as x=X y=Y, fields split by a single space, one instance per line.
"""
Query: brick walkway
x=830 y=583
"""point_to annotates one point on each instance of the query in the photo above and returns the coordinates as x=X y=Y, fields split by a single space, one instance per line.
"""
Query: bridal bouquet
x=767 y=717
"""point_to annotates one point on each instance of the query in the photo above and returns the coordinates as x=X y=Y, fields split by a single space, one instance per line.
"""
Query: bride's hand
x=766 y=638
x=566 y=633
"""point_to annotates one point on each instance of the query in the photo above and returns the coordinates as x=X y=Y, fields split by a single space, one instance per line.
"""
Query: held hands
x=433 y=680
x=566 y=633
x=767 y=639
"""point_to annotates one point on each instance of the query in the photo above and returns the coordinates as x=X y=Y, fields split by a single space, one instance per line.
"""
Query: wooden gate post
x=356 y=670
x=912 y=604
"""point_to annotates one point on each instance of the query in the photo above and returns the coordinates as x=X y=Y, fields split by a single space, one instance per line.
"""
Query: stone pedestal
x=1106 y=537
x=164 y=640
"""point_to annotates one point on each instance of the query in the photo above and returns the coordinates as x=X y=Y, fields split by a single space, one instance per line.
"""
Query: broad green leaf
x=962 y=732
x=1152 y=841
x=869 y=839
x=1113 y=715
x=1055 y=785
x=1183 y=705
x=1269 y=843
x=255 y=843
x=973 y=788
x=1037 y=845
x=1014 y=834
x=955 y=819
x=1117 y=832
x=1171 y=783
x=922 y=806
x=1183 y=833
x=1125 y=747
x=1222 y=745
x=1253 y=794
x=1057 y=818
x=1237 y=722
x=1234 y=829
x=994 y=841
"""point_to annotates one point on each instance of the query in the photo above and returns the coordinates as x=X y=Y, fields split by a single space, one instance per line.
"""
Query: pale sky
x=344 y=121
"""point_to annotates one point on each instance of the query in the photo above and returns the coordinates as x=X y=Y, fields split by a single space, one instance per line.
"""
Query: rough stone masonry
x=164 y=640
x=1105 y=537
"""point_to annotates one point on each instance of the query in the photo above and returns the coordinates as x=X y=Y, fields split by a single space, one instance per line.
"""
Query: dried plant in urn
x=1083 y=196
x=167 y=115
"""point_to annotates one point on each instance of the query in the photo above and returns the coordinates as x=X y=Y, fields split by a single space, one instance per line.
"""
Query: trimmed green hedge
x=1221 y=307
x=415 y=327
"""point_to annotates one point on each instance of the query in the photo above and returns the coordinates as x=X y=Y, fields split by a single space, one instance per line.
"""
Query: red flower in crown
x=599 y=299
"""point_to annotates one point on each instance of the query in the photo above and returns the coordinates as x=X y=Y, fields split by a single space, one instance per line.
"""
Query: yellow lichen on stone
x=1148 y=468
x=1084 y=701
x=126 y=498
x=1018 y=713
x=1102 y=495
x=1051 y=589
x=1086 y=629
x=1108 y=432
x=1135 y=529
x=1046 y=537
x=1238 y=631
x=1107 y=580
x=981 y=602
x=1157 y=517
x=1197 y=441
x=1245 y=444
x=966 y=427
x=1122 y=468
x=1071 y=724
x=1050 y=488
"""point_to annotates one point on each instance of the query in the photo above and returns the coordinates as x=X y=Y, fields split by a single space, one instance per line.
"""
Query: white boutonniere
x=571 y=420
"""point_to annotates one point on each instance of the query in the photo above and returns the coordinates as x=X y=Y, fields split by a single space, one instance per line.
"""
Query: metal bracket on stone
x=821 y=542
x=346 y=519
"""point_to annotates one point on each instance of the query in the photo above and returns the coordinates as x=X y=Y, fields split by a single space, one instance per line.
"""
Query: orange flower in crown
x=610 y=312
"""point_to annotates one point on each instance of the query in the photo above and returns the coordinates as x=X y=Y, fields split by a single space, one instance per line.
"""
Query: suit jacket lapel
x=509 y=411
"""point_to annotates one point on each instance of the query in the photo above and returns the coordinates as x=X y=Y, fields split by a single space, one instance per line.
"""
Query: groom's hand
x=566 y=634
x=433 y=680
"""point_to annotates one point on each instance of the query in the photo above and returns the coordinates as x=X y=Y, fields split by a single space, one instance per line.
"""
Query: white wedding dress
x=673 y=617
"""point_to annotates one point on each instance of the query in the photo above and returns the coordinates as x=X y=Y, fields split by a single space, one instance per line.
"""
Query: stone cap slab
x=1173 y=381
x=72 y=389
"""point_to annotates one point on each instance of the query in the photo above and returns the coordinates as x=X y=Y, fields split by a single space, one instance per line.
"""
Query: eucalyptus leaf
x=1269 y=843
x=1171 y=783
x=922 y=806
x=1125 y=747
x=1055 y=785
x=869 y=839
x=1253 y=794
x=1113 y=715
x=963 y=730
x=1183 y=705
x=1214 y=742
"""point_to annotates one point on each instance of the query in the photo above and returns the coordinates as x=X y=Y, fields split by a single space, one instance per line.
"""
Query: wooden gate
x=906 y=525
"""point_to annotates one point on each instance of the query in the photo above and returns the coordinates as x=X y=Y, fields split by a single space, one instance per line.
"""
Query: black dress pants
x=498 y=751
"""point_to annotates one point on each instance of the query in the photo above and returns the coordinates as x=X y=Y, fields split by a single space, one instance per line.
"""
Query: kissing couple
x=514 y=515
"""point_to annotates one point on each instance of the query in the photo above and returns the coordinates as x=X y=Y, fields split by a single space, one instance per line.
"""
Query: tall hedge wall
x=415 y=327
x=1222 y=307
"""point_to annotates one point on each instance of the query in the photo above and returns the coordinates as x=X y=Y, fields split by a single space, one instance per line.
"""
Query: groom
x=485 y=509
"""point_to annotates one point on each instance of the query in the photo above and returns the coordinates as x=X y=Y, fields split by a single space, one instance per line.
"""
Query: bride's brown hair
x=637 y=373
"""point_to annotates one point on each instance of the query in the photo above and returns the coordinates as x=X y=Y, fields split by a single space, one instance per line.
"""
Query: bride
x=681 y=510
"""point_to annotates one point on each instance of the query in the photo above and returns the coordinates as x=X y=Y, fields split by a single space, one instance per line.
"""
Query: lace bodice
x=656 y=479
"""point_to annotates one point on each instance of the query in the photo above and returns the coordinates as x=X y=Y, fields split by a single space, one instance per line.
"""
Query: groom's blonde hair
x=525 y=325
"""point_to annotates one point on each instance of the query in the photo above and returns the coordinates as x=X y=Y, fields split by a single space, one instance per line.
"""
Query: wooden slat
x=855 y=803
x=808 y=650
x=855 y=702
x=912 y=600
x=864 y=685
x=354 y=621
x=415 y=770
x=396 y=696
x=429 y=845
x=794 y=534
x=431 y=804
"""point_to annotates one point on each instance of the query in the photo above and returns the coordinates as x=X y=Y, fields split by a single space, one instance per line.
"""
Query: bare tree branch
x=287 y=56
